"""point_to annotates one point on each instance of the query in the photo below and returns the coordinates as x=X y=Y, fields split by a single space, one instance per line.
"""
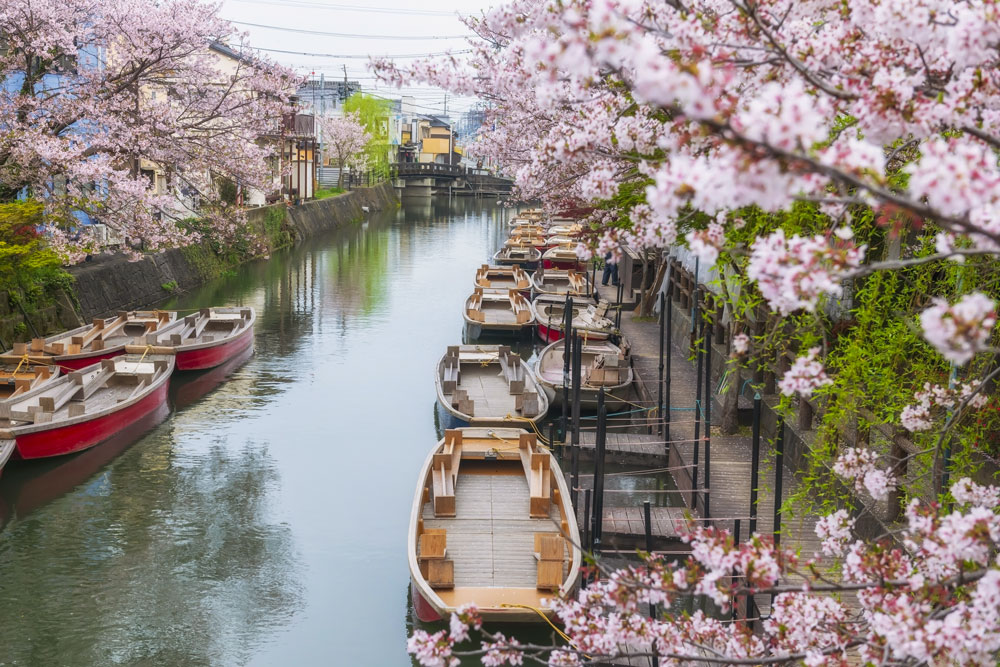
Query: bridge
x=428 y=178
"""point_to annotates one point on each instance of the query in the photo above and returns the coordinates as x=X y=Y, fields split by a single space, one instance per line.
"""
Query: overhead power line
x=352 y=8
x=346 y=34
x=364 y=57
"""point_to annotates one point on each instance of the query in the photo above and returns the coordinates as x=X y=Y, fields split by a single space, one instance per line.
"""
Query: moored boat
x=563 y=257
x=487 y=385
x=495 y=311
x=86 y=345
x=589 y=319
x=528 y=230
x=602 y=365
x=85 y=407
x=6 y=451
x=537 y=241
x=502 y=278
x=559 y=282
x=18 y=380
x=205 y=339
x=491 y=524
x=526 y=256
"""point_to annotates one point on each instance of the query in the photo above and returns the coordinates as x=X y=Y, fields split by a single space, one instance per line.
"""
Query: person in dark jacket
x=610 y=271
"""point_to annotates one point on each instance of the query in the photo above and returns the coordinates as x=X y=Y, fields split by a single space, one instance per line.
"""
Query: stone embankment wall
x=111 y=283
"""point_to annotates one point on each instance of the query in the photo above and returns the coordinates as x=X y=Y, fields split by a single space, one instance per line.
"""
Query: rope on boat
x=542 y=440
x=512 y=605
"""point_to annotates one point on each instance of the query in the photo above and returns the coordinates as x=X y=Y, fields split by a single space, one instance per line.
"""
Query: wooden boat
x=527 y=256
x=602 y=365
x=502 y=278
x=492 y=524
x=536 y=214
x=18 y=380
x=84 y=407
x=496 y=311
x=205 y=339
x=525 y=241
x=571 y=230
x=528 y=230
x=6 y=451
x=86 y=345
x=555 y=281
x=563 y=257
x=487 y=385
x=589 y=320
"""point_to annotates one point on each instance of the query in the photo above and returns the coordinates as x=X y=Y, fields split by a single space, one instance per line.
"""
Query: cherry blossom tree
x=98 y=94
x=344 y=139
x=855 y=116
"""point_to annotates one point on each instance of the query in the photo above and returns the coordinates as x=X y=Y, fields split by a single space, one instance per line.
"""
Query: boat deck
x=489 y=389
x=492 y=538
x=498 y=312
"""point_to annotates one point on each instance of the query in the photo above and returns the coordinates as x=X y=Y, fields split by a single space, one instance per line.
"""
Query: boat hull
x=214 y=355
x=78 y=362
x=6 y=450
x=553 y=334
x=83 y=435
x=447 y=419
x=425 y=611
x=563 y=264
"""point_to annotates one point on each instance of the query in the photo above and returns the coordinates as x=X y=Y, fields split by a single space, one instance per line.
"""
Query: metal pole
x=598 y=520
x=755 y=464
x=587 y=546
x=648 y=521
x=736 y=539
x=568 y=316
x=574 y=472
x=697 y=424
x=659 y=382
x=577 y=344
x=570 y=340
x=621 y=295
x=552 y=438
x=779 y=460
x=708 y=420
x=666 y=388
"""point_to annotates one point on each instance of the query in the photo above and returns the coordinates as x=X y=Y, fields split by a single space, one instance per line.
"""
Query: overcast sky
x=363 y=28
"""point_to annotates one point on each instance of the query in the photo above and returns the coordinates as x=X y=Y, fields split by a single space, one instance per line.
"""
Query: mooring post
x=602 y=417
x=708 y=420
x=586 y=546
x=697 y=418
x=736 y=600
x=577 y=344
x=621 y=295
x=755 y=464
x=666 y=380
x=647 y=514
x=568 y=316
x=779 y=461
x=659 y=382
x=570 y=345
x=552 y=439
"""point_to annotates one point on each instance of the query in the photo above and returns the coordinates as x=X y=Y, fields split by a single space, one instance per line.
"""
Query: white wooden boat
x=86 y=345
x=527 y=256
x=602 y=364
x=536 y=241
x=205 y=339
x=497 y=311
x=503 y=278
x=492 y=524
x=487 y=385
x=571 y=230
x=528 y=230
x=590 y=320
x=563 y=257
x=561 y=282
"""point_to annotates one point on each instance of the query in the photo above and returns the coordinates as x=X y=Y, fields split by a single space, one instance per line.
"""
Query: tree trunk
x=340 y=175
x=730 y=402
x=648 y=296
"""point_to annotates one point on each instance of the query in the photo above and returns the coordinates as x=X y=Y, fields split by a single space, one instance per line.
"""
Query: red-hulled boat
x=6 y=449
x=563 y=257
x=205 y=339
x=89 y=344
x=589 y=320
x=86 y=406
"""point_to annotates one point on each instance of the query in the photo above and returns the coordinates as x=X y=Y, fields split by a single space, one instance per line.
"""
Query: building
x=327 y=96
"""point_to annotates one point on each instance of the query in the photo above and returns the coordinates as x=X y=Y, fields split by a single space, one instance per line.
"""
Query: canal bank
x=111 y=283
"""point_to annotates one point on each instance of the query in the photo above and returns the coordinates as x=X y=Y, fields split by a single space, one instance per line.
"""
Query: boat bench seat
x=435 y=566
x=460 y=401
x=444 y=473
x=450 y=377
x=551 y=555
x=527 y=403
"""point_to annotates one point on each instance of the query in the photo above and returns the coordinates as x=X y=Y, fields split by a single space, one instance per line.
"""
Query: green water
x=260 y=518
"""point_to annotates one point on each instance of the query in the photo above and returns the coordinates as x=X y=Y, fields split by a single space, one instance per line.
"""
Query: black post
x=779 y=460
x=552 y=438
x=659 y=382
x=736 y=539
x=574 y=473
x=593 y=279
x=587 y=546
x=755 y=464
x=621 y=295
x=697 y=422
x=568 y=316
x=577 y=344
x=648 y=522
x=708 y=419
x=598 y=520
x=666 y=388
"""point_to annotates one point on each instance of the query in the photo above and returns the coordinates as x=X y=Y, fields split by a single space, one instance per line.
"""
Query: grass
x=323 y=193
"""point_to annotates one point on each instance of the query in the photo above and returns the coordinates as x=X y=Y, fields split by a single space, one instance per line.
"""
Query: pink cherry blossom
x=741 y=343
x=805 y=375
x=960 y=330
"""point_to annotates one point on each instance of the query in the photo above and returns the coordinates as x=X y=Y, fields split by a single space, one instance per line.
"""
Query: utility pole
x=345 y=83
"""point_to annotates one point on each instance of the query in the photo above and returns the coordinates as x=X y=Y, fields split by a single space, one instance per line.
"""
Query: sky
x=360 y=28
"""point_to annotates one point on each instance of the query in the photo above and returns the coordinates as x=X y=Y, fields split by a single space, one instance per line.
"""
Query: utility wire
x=346 y=34
x=353 y=8
x=364 y=57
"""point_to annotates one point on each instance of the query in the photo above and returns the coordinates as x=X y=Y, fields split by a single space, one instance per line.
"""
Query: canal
x=261 y=518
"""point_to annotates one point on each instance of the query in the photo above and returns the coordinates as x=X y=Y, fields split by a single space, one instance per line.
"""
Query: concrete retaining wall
x=111 y=283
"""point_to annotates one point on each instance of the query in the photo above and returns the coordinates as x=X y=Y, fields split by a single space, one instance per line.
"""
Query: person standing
x=610 y=271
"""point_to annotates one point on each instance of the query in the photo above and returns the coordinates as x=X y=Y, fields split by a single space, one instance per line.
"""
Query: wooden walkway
x=625 y=448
